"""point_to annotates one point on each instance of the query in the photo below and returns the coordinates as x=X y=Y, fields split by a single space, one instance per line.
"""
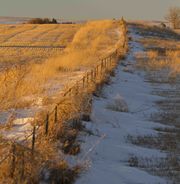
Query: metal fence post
x=55 y=114
x=33 y=139
x=77 y=88
x=70 y=92
x=47 y=124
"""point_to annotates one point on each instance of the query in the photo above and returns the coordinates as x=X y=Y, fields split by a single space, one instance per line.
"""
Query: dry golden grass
x=152 y=54
x=162 y=50
x=19 y=75
x=150 y=30
x=9 y=31
x=39 y=35
x=153 y=61
x=93 y=40
x=159 y=42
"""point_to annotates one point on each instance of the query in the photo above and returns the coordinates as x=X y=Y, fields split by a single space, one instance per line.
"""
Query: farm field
x=37 y=35
x=33 y=43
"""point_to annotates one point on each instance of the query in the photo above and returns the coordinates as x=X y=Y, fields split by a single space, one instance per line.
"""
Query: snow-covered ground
x=108 y=150
x=22 y=119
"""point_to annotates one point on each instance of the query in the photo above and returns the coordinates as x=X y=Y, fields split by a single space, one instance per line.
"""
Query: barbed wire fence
x=20 y=155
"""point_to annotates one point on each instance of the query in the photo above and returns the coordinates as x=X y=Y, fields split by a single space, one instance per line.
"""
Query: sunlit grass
x=92 y=41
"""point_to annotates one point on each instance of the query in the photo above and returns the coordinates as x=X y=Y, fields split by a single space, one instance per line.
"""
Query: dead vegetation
x=156 y=32
x=41 y=156
x=118 y=104
x=161 y=63
x=44 y=160
x=167 y=66
x=168 y=167
x=163 y=141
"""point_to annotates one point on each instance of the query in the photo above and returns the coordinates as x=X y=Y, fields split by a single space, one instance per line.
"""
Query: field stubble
x=161 y=62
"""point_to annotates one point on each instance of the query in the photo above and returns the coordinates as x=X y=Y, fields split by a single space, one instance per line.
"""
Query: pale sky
x=88 y=9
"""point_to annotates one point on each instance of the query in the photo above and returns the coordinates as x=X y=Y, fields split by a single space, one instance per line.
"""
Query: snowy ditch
x=122 y=111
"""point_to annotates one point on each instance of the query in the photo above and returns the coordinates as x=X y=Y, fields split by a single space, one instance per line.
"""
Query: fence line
x=33 y=46
x=90 y=78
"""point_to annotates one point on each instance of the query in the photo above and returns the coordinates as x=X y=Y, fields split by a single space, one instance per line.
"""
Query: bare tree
x=173 y=17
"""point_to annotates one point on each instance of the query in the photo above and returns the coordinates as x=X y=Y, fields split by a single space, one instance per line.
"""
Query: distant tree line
x=42 y=21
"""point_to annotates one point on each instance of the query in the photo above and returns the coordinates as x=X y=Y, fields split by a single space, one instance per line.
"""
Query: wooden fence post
x=13 y=164
x=33 y=139
x=47 y=124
